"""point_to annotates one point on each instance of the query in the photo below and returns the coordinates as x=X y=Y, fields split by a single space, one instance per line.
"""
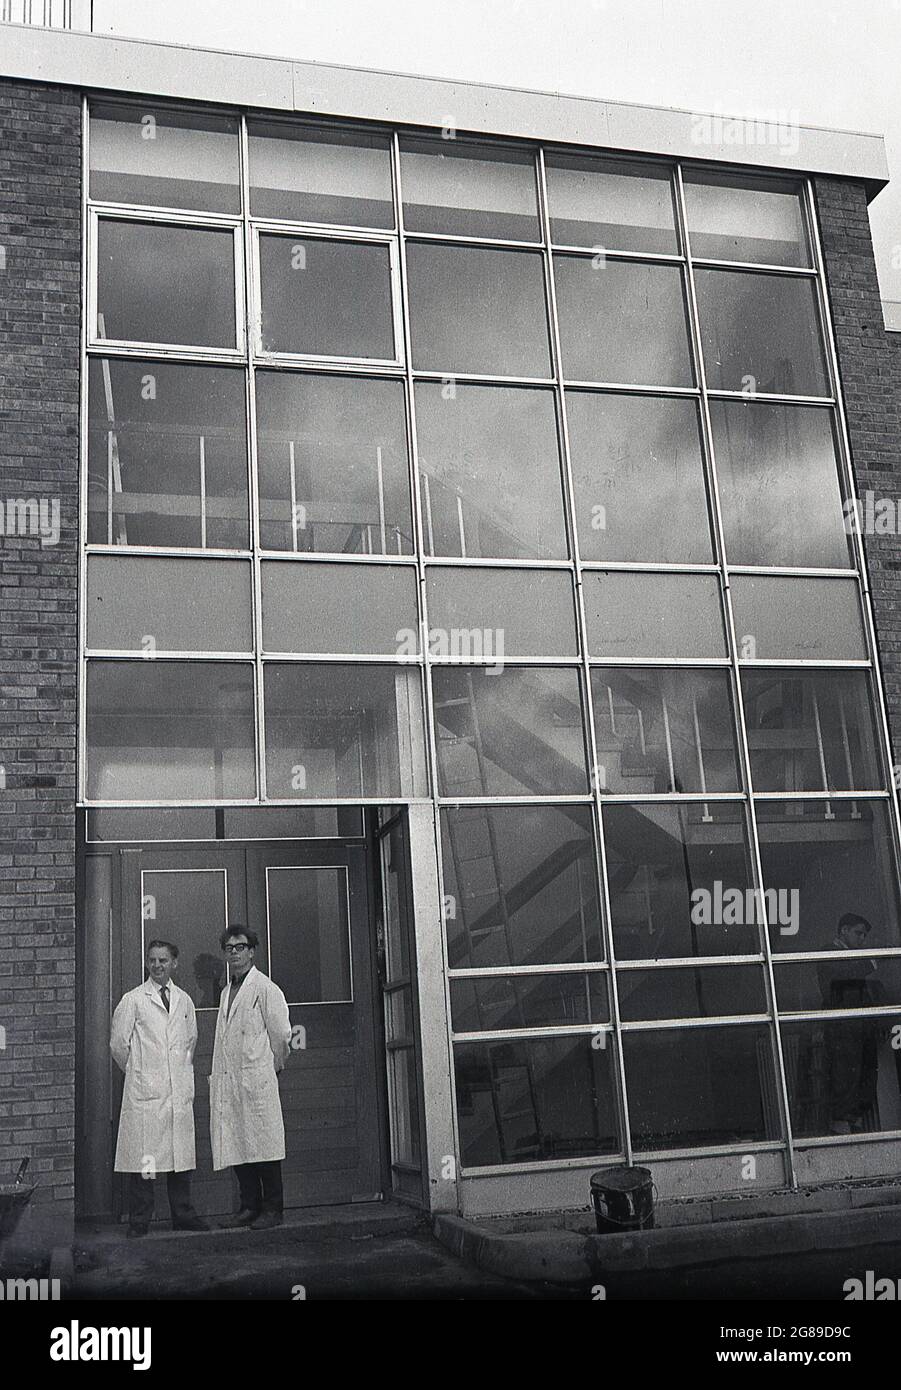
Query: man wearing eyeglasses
x=253 y=1041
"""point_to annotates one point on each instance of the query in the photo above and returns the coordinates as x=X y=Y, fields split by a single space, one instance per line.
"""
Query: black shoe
x=266 y=1221
x=136 y=1229
x=245 y=1217
x=190 y=1223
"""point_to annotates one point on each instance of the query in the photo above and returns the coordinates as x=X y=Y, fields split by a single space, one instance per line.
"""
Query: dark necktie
x=164 y=995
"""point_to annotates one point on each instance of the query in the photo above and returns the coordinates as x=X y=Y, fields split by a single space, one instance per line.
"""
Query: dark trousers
x=261 y=1186
x=140 y=1198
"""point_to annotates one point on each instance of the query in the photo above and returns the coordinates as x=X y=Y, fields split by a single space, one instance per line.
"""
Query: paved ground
x=390 y=1254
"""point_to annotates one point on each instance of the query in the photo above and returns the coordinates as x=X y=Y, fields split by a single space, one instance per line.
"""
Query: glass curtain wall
x=512 y=478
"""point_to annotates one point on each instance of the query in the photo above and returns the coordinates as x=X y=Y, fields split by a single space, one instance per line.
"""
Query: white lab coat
x=252 y=1045
x=155 y=1049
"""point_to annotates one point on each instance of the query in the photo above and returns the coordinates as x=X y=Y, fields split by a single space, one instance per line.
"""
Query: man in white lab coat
x=253 y=1041
x=153 y=1036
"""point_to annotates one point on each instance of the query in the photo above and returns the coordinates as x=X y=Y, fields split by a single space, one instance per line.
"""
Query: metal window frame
x=246 y=229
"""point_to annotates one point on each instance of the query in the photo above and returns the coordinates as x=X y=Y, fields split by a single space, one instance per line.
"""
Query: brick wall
x=870 y=366
x=40 y=233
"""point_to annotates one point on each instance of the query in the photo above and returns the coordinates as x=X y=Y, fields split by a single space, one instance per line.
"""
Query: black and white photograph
x=450 y=669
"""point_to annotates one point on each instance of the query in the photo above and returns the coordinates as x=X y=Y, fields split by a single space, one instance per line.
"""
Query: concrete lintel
x=774 y=140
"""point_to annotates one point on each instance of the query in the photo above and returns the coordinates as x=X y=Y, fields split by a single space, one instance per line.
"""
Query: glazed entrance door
x=309 y=904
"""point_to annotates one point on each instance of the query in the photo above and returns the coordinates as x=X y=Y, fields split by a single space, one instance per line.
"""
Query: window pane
x=761 y=333
x=638 y=477
x=794 y=618
x=478 y=309
x=822 y=860
x=734 y=219
x=610 y=204
x=541 y=1098
x=170 y=731
x=493 y=614
x=528 y=1001
x=777 y=470
x=843 y=1076
x=843 y=981
x=699 y=1087
x=163 y=158
x=339 y=608
x=705 y=991
x=514 y=732
x=489 y=463
x=167 y=455
x=326 y=298
x=332 y=454
x=313 y=174
x=293 y=822
x=189 y=908
x=653 y=615
x=469 y=189
x=670 y=868
x=159 y=284
x=155 y=605
x=661 y=730
x=811 y=731
x=622 y=321
x=343 y=731
x=309 y=939
x=160 y=823
x=404 y=1083
x=520 y=885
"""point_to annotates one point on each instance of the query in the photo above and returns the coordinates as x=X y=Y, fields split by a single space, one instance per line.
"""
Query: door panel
x=314 y=905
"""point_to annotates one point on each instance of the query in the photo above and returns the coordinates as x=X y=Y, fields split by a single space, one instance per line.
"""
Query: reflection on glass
x=787 y=619
x=504 y=1002
x=478 y=309
x=326 y=298
x=308 y=173
x=468 y=189
x=170 y=731
x=161 y=284
x=731 y=218
x=842 y=981
x=680 y=881
x=530 y=611
x=638 y=478
x=777 y=470
x=662 y=730
x=309 y=941
x=702 y=992
x=155 y=604
x=653 y=615
x=404 y=1083
x=489 y=463
x=622 y=321
x=508 y=732
x=343 y=731
x=332 y=456
x=164 y=158
x=190 y=910
x=538 y=1098
x=844 y=1076
x=810 y=731
x=827 y=859
x=610 y=204
x=167 y=455
x=697 y=1087
x=520 y=884
x=761 y=333
x=329 y=608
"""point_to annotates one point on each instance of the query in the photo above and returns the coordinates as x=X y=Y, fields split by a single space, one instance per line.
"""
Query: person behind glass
x=852 y=1046
x=253 y=1041
x=153 y=1035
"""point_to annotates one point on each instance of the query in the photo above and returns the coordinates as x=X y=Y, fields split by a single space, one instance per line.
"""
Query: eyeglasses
x=237 y=946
